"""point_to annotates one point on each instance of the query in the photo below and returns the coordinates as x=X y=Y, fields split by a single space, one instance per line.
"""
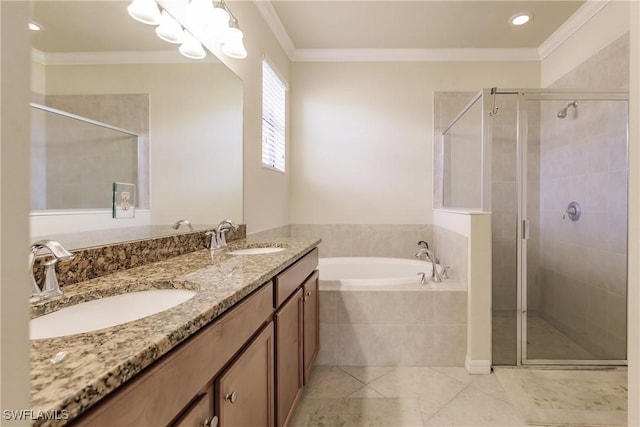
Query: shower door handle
x=525 y=229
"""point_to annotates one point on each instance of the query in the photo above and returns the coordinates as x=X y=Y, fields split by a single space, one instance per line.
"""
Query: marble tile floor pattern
x=350 y=396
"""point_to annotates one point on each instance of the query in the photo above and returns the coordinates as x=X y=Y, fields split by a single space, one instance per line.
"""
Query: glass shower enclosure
x=551 y=167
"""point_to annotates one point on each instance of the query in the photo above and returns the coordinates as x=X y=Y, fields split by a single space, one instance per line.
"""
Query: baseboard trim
x=477 y=367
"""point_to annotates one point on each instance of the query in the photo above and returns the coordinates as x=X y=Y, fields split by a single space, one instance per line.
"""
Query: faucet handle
x=50 y=286
x=444 y=274
x=213 y=244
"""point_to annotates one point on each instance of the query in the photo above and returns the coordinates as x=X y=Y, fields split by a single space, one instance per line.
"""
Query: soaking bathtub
x=382 y=274
x=375 y=312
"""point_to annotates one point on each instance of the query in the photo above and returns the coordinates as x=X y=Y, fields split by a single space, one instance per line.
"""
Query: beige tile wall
x=388 y=240
x=377 y=240
x=73 y=175
x=372 y=328
x=584 y=158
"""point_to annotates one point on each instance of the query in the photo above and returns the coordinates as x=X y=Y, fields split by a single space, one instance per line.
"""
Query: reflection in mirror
x=92 y=60
x=74 y=160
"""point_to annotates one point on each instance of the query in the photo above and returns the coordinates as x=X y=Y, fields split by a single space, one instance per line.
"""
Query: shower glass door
x=573 y=227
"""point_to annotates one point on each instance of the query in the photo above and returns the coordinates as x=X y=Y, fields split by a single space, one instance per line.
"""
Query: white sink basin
x=256 y=251
x=106 y=312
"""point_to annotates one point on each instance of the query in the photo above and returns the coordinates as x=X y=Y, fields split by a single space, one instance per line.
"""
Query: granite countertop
x=96 y=363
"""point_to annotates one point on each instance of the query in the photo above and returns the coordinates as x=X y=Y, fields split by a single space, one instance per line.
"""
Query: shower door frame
x=522 y=222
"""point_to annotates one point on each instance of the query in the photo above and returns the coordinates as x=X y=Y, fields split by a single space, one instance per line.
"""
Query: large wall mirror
x=112 y=102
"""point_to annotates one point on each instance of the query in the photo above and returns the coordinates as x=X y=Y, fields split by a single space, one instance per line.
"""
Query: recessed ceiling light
x=521 y=18
x=34 y=27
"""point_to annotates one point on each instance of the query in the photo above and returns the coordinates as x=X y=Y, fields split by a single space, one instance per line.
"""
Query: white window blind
x=273 y=118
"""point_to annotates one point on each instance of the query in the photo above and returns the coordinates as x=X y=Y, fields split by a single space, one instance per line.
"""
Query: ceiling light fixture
x=34 y=27
x=211 y=18
x=145 y=11
x=233 y=46
x=169 y=29
x=191 y=47
x=521 y=18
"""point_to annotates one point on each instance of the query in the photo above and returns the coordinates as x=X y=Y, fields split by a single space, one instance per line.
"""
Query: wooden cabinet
x=311 y=316
x=245 y=369
x=288 y=324
x=162 y=391
x=244 y=391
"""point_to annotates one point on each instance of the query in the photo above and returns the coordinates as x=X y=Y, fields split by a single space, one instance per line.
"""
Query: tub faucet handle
x=444 y=274
x=423 y=277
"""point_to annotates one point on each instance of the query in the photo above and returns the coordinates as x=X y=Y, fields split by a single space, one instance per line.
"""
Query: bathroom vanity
x=236 y=354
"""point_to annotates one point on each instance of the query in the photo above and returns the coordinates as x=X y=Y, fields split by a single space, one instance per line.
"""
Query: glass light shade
x=219 y=24
x=233 y=46
x=145 y=11
x=169 y=29
x=191 y=47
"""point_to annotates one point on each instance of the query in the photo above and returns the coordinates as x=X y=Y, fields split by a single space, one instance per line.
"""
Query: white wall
x=362 y=135
x=194 y=121
x=14 y=207
x=266 y=193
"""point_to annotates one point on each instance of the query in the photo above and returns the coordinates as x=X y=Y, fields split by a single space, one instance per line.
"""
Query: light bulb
x=169 y=29
x=191 y=47
x=145 y=11
x=233 y=46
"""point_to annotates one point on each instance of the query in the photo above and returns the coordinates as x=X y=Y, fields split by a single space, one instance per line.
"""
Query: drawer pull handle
x=231 y=397
x=211 y=423
x=308 y=294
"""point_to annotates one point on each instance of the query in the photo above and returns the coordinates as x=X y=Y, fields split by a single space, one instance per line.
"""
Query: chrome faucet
x=50 y=287
x=430 y=256
x=182 y=222
x=218 y=239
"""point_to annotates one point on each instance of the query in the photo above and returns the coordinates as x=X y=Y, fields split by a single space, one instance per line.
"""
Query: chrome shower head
x=563 y=113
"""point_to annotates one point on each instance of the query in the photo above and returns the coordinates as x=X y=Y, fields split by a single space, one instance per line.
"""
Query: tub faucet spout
x=430 y=256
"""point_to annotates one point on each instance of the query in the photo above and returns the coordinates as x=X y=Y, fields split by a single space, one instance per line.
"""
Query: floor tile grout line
x=393 y=368
x=444 y=405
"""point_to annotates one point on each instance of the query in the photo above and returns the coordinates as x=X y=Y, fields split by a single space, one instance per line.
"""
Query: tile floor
x=403 y=397
x=350 y=396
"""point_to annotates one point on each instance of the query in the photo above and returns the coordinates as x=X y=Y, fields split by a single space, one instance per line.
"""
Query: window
x=273 y=118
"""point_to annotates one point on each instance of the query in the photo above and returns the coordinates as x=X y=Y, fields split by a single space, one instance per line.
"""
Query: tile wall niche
x=584 y=158
x=79 y=185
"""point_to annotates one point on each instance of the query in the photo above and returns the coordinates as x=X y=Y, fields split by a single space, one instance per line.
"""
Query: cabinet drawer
x=155 y=396
x=290 y=279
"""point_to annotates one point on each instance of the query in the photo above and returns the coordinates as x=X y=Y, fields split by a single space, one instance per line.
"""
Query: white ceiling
x=336 y=30
x=91 y=26
x=419 y=24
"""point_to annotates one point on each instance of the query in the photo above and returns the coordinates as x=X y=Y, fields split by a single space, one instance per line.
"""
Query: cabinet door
x=311 y=308
x=288 y=323
x=199 y=413
x=244 y=392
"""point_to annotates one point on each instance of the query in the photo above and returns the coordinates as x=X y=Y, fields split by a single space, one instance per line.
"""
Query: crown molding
x=38 y=56
x=413 y=55
x=114 y=58
x=587 y=11
x=275 y=24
